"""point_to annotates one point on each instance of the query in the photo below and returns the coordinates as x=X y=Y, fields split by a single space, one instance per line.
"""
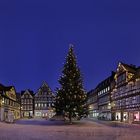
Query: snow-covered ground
x=56 y=130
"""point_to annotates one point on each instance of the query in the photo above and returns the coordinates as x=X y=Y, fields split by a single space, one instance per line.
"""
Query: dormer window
x=121 y=79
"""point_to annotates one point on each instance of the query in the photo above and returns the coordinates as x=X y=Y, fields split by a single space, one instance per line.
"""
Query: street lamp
x=3 y=101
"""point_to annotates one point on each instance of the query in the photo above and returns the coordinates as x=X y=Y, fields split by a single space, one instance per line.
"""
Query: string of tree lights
x=71 y=96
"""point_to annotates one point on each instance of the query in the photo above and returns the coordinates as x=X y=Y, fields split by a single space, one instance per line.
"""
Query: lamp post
x=20 y=112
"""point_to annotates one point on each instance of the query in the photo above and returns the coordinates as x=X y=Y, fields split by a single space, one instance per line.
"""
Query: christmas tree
x=71 y=96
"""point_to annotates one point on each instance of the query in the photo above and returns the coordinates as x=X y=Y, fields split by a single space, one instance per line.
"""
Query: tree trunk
x=70 y=118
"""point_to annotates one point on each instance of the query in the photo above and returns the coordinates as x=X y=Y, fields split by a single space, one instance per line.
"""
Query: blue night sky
x=35 y=37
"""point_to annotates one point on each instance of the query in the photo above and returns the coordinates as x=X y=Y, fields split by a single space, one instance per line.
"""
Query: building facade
x=27 y=103
x=9 y=106
x=126 y=94
x=99 y=99
x=92 y=103
x=44 y=102
x=104 y=97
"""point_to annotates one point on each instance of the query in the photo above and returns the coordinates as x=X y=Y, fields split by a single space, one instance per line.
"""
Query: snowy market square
x=41 y=129
x=69 y=70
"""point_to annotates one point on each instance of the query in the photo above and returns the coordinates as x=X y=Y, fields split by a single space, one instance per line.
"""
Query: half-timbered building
x=44 y=102
x=126 y=93
x=27 y=103
x=9 y=106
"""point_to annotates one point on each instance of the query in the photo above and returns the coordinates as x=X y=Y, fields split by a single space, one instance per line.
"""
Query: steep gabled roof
x=130 y=68
x=5 y=88
x=137 y=74
x=43 y=87
x=28 y=90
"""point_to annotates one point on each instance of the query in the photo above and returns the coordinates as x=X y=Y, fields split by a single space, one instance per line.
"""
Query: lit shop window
x=37 y=113
x=118 y=116
x=125 y=116
x=136 y=116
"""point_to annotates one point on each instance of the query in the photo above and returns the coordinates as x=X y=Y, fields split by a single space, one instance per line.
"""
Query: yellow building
x=9 y=106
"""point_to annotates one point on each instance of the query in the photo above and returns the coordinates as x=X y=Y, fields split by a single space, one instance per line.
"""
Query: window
x=121 y=78
x=136 y=116
x=108 y=88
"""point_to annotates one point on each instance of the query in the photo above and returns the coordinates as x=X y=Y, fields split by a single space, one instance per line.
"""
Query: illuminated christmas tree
x=71 y=96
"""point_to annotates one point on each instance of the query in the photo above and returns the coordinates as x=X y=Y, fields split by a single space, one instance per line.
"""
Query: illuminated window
x=136 y=116
x=108 y=88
